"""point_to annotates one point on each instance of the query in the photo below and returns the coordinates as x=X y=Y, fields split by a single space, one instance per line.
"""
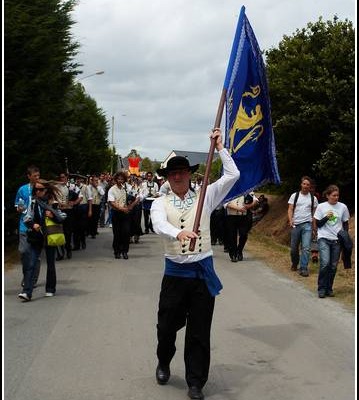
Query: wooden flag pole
x=202 y=194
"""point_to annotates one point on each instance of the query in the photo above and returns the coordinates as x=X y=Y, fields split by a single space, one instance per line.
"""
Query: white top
x=303 y=208
x=214 y=195
x=165 y=189
x=331 y=228
x=116 y=192
x=92 y=191
x=149 y=189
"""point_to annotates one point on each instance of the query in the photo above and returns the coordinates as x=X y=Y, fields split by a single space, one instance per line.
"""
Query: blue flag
x=249 y=134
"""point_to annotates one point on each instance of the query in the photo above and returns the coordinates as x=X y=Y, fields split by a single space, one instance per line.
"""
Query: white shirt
x=331 y=228
x=149 y=189
x=215 y=193
x=303 y=209
x=165 y=189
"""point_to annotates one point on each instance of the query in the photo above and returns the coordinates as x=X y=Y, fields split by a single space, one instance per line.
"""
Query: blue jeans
x=301 y=234
x=50 y=286
x=329 y=253
x=30 y=268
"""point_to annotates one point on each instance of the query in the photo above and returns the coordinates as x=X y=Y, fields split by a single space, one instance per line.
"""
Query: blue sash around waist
x=202 y=269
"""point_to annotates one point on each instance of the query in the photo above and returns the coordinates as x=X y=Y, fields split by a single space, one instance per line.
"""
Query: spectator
x=301 y=208
x=22 y=202
x=42 y=206
x=330 y=218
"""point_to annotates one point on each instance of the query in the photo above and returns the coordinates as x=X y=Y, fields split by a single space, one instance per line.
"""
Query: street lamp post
x=112 y=133
x=66 y=166
x=95 y=73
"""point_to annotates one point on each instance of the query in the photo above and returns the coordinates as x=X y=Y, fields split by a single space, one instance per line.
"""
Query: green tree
x=311 y=80
x=84 y=137
x=146 y=165
x=39 y=69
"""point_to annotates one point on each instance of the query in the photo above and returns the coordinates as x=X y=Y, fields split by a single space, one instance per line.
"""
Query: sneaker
x=49 y=294
x=24 y=297
x=303 y=272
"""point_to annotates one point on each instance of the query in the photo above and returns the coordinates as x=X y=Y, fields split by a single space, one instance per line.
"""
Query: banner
x=249 y=134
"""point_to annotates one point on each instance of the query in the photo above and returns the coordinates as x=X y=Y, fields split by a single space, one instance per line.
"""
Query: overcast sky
x=165 y=61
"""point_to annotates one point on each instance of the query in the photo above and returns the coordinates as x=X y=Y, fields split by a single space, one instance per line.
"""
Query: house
x=194 y=157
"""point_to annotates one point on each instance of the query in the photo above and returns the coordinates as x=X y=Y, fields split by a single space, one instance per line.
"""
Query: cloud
x=165 y=62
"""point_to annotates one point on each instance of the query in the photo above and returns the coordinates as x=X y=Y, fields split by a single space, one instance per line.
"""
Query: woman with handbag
x=44 y=231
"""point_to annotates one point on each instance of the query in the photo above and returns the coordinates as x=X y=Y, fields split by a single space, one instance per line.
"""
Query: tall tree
x=39 y=68
x=311 y=79
x=84 y=135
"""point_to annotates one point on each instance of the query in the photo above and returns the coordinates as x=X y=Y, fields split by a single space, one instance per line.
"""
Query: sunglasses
x=39 y=189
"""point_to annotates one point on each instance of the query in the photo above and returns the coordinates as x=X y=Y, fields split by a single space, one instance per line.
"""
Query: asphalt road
x=272 y=339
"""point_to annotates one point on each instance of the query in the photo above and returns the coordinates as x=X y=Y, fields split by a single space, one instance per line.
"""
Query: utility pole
x=113 y=129
x=112 y=135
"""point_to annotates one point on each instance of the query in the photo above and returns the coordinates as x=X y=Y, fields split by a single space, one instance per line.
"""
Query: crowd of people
x=165 y=203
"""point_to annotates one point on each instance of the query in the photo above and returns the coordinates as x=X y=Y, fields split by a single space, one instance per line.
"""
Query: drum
x=147 y=203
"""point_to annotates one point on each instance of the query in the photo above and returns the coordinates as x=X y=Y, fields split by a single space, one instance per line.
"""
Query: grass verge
x=277 y=257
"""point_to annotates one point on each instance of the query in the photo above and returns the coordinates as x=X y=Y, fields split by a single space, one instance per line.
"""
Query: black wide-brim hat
x=175 y=163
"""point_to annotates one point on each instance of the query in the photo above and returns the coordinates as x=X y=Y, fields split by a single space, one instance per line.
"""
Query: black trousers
x=136 y=216
x=217 y=226
x=147 y=219
x=121 y=228
x=237 y=229
x=80 y=224
x=93 y=220
x=186 y=302
x=68 y=228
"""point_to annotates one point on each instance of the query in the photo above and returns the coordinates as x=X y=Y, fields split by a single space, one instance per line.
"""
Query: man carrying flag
x=190 y=284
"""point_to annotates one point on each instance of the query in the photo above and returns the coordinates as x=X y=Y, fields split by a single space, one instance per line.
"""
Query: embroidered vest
x=182 y=215
x=63 y=197
x=83 y=191
x=96 y=197
x=120 y=195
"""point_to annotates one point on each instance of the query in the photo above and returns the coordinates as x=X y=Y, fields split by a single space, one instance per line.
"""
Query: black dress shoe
x=162 y=374
x=195 y=393
x=69 y=254
x=76 y=248
x=233 y=258
x=83 y=245
x=125 y=256
x=239 y=256
x=117 y=255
